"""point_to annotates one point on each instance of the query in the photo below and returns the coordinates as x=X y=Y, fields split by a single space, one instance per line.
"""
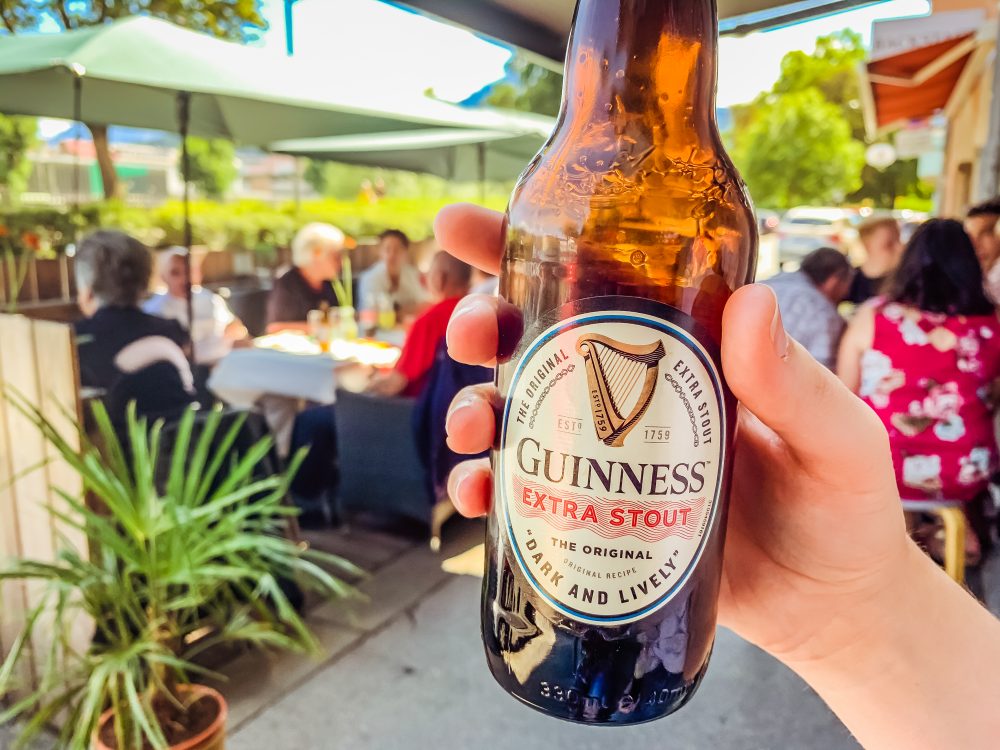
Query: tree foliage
x=227 y=19
x=529 y=88
x=797 y=149
x=829 y=166
x=832 y=69
x=212 y=166
x=17 y=136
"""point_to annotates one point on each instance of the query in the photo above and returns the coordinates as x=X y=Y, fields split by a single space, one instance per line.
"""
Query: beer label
x=611 y=461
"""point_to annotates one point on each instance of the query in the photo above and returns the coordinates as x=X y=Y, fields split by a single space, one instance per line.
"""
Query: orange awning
x=918 y=83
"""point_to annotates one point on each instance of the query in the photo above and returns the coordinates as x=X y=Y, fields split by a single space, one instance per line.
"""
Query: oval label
x=611 y=461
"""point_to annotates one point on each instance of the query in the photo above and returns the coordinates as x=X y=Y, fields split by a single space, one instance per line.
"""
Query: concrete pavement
x=416 y=678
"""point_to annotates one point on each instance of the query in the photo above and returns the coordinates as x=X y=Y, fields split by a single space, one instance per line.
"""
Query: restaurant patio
x=157 y=546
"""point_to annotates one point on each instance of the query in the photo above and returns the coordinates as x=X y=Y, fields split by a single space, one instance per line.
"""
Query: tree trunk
x=109 y=177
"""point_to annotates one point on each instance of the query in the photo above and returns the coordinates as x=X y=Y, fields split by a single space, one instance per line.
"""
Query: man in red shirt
x=448 y=281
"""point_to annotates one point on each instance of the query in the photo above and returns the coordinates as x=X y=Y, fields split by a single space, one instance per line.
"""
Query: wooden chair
x=952 y=515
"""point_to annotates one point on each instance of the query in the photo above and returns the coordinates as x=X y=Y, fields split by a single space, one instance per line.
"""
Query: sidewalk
x=405 y=671
x=409 y=673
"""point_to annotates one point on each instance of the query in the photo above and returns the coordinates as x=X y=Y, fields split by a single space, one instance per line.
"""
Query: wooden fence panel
x=37 y=362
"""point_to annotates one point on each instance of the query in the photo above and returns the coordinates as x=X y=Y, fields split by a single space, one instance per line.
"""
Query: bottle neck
x=651 y=58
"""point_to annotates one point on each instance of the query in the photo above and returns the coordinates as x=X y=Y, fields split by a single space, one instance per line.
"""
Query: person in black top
x=316 y=258
x=121 y=348
x=883 y=251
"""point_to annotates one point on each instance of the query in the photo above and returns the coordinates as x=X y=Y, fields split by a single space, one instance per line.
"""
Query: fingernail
x=466 y=402
x=460 y=485
x=779 y=338
x=468 y=306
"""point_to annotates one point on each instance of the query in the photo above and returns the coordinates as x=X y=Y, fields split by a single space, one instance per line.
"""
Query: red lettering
x=555 y=504
x=617 y=516
x=569 y=509
x=635 y=513
x=540 y=500
x=527 y=496
x=591 y=515
x=652 y=519
x=684 y=515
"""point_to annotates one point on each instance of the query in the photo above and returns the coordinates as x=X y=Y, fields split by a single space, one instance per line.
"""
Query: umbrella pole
x=75 y=205
x=482 y=173
x=184 y=121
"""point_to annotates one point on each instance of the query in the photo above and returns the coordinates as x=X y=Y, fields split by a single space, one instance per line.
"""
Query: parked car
x=803 y=230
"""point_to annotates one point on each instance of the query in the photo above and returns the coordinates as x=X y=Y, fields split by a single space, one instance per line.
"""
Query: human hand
x=816 y=534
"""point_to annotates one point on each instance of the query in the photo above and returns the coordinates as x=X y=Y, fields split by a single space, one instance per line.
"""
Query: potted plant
x=186 y=552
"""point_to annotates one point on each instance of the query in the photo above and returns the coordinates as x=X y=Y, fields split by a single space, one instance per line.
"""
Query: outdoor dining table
x=284 y=371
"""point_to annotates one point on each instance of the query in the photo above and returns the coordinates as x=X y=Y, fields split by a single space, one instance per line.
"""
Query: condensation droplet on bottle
x=609 y=107
x=606 y=63
x=620 y=74
x=600 y=163
x=638 y=258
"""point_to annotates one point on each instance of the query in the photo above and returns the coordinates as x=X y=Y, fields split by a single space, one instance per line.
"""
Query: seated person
x=447 y=378
x=883 y=247
x=316 y=259
x=215 y=326
x=393 y=278
x=448 y=281
x=981 y=226
x=117 y=339
x=808 y=299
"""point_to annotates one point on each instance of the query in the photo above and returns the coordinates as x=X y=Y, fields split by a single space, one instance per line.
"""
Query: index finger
x=473 y=234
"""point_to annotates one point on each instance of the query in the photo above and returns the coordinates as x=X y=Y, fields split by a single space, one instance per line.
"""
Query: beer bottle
x=626 y=236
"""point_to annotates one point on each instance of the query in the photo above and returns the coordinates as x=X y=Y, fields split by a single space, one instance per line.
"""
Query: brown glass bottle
x=626 y=237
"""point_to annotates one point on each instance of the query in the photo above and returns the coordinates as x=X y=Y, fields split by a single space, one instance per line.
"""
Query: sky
x=395 y=48
x=410 y=51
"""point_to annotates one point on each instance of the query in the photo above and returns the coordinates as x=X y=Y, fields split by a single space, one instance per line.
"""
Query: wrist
x=913 y=666
x=867 y=631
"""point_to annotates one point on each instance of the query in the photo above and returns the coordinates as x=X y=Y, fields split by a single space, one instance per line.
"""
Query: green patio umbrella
x=133 y=70
x=147 y=73
x=462 y=155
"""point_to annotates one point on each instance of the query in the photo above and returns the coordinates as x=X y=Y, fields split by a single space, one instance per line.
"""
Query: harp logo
x=604 y=535
x=622 y=382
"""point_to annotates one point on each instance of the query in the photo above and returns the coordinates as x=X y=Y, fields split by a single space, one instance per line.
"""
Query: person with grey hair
x=215 y=328
x=117 y=339
x=316 y=261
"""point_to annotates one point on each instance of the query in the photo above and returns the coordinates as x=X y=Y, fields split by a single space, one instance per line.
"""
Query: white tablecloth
x=243 y=376
x=276 y=383
x=283 y=371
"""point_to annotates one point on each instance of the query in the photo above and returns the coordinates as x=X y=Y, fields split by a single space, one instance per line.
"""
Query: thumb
x=824 y=426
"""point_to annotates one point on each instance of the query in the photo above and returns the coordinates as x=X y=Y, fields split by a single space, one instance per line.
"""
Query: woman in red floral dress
x=925 y=357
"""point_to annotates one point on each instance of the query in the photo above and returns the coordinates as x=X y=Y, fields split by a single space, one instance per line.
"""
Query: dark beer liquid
x=634 y=200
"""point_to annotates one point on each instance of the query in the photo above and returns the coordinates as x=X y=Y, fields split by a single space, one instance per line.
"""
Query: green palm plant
x=193 y=547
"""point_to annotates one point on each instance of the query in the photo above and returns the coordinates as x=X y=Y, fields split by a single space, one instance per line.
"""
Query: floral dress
x=929 y=378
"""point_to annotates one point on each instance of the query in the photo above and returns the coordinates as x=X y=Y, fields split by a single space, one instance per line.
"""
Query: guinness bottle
x=626 y=237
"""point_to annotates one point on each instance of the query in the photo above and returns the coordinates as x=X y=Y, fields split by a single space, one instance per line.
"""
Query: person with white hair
x=316 y=260
x=215 y=328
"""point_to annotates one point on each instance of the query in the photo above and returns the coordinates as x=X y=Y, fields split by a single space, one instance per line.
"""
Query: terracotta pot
x=214 y=736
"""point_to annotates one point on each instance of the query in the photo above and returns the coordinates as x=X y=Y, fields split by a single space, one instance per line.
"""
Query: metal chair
x=952 y=515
